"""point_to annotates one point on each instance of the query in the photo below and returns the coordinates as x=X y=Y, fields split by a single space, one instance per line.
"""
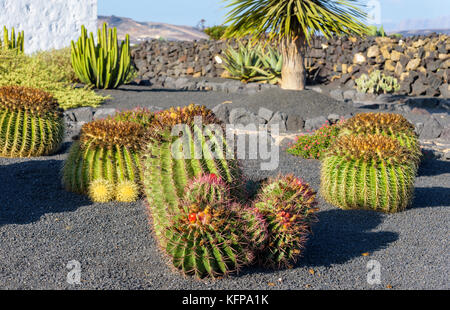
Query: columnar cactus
x=287 y=205
x=169 y=164
x=105 y=162
x=388 y=124
x=10 y=43
x=210 y=236
x=31 y=123
x=105 y=64
x=369 y=172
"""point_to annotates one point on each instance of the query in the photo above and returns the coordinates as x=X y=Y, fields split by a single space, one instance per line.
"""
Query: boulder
x=315 y=123
x=103 y=113
x=222 y=112
x=373 y=51
x=431 y=129
x=295 y=123
x=279 y=118
x=413 y=64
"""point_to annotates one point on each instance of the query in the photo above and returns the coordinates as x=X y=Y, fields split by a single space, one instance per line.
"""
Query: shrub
x=388 y=124
x=105 y=64
x=288 y=205
x=377 y=83
x=215 y=32
x=371 y=172
x=314 y=146
x=105 y=162
x=12 y=43
x=48 y=71
x=31 y=124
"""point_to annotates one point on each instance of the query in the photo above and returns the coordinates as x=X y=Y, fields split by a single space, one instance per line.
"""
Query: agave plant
x=240 y=63
x=271 y=65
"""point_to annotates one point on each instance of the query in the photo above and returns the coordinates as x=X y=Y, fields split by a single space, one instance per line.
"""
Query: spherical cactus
x=288 y=205
x=208 y=241
x=31 y=123
x=170 y=162
x=369 y=172
x=108 y=151
x=388 y=124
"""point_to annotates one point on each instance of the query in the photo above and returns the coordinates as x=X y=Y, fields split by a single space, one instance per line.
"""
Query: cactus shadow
x=340 y=236
x=428 y=197
x=33 y=188
x=433 y=167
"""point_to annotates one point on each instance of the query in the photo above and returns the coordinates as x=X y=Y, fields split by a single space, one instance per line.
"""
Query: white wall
x=48 y=24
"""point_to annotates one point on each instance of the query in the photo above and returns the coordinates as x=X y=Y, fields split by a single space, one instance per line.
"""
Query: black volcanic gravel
x=43 y=227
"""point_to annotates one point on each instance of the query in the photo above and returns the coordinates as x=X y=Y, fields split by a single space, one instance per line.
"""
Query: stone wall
x=48 y=24
x=421 y=64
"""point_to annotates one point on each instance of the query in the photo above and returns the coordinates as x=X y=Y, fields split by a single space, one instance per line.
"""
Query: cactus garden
x=262 y=156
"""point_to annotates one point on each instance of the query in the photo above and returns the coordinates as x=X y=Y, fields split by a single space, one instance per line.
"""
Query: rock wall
x=48 y=24
x=421 y=64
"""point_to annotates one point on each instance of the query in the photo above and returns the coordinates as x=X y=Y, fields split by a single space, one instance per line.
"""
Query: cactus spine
x=105 y=64
x=288 y=205
x=210 y=236
x=369 y=172
x=388 y=124
x=12 y=42
x=108 y=153
x=169 y=165
x=31 y=123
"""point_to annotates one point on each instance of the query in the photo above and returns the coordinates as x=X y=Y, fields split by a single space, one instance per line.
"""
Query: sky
x=394 y=13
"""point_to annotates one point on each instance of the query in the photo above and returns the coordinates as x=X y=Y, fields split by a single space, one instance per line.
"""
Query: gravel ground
x=43 y=227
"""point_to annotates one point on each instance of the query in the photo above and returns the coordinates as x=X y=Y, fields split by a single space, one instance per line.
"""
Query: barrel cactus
x=169 y=164
x=210 y=236
x=105 y=162
x=388 y=124
x=287 y=204
x=31 y=123
x=371 y=172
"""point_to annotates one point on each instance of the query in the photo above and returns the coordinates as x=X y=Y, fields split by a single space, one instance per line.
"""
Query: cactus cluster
x=391 y=125
x=12 y=43
x=31 y=123
x=377 y=83
x=169 y=165
x=210 y=236
x=105 y=162
x=105 y=64
x=287 y=204
x=373 y=172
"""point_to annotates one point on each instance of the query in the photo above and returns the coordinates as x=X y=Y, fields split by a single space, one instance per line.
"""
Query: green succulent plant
x=374 y=31
x=31 y=123
x=388 y=124
x=105 y=162
x=105 y=64
x=372 y=172
x=377 y=83
x=210 y=236
x=169 y=165
x=287 y=204
x=11 y=42
x=215 y=32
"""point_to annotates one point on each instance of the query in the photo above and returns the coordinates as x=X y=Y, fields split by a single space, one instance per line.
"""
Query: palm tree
x=293 y=23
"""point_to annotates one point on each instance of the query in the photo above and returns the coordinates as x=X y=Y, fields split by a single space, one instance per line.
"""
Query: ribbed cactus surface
x=12 y=42
x=105 y=64
x=371 y=172
x=287 y=204
x=169 y=164
x=108 y=152
x=31 y=123
x=388 y=124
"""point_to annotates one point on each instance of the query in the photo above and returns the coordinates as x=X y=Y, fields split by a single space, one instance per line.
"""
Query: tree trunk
x=293 y=74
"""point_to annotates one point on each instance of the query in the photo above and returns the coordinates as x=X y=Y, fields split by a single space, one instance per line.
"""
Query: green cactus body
x=168 y=165
x=372 y=172
x=387 y=124
x=31 y=124
x=287 y=205
x=108 y=150
x=11 y=43
x=105 y=64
